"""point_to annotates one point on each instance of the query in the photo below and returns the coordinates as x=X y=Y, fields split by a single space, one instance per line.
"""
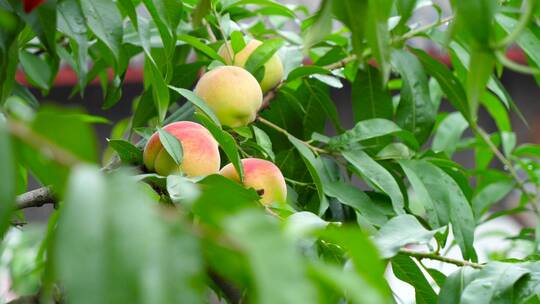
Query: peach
x=260 y=174
x=273 y=68
x=200 y=151
x=232 y=93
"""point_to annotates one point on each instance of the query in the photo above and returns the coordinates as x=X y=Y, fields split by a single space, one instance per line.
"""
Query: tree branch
x=434 y=256
x=36 y=198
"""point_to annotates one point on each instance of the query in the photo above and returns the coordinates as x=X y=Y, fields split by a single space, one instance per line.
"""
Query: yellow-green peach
x=232 y=93
x=200 y=151
x=273 y=68
x=260 y=174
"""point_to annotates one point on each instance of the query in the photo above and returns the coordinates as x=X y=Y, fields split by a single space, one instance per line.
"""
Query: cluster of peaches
x=235 y=97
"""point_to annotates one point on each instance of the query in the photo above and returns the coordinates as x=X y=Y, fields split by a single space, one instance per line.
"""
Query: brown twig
x=434 y=256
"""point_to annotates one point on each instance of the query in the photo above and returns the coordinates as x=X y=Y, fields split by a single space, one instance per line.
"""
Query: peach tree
x=239 y=178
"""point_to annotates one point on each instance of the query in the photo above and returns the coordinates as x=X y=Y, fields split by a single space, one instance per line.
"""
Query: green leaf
x=283 y=9
x=494 y=85
x=185 y=75
x=7 y=178
x=490 y=195
x=438 y=276
x=406 y=8
x=226 y=142
x=353 y=13
x=272 y=270
x=304 y=108
x=8 y=65
x=304 y=71
x=372 y=128
x=358 y=200
x=321 y=26
x=477 y=18
x=526 y=290
x=166 y=15
x=482 y=63
x=104 y=20
x=201 y=10
x=527 y=40
x=220 y=198
x=198 y=102
x=113 y=91
x=160 y=91
x=363 y=255
x=343 y=281
x=36 y=69
x=395 y=151
x=324 y=101
x=304 y=223
x=450 y=85
x=42 y=21
x=527 y=150
x=497 y=111
x=377 y=175
x=172 y=145
x=128 y=153
x=145 y=36
x=370 y=97
x=378 y=35
x=262 y=54
x=24 y=93
x=315 y=168
x=71 y=23
x=78 y=138
x=448 y=133
x=264 y=142
x=415 y=112
x=197 y=44
x=400 y=231
x=331 y=81
x=181 y=190
x=145 y=110
x=127 y=7
x=111 y=223
x=455 y=284
x=237 y=41
x=444 y=201
x=407 y=270
x=492 y=283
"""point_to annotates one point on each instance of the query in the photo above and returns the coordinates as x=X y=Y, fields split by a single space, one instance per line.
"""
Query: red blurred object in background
x=29 y=5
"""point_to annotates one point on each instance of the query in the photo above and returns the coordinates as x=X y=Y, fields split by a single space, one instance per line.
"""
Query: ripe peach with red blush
x=200 y=151
x=263 y=176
